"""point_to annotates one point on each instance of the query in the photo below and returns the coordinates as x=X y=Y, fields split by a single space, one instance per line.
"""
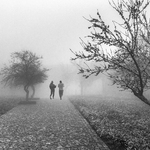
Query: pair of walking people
x=52 y=87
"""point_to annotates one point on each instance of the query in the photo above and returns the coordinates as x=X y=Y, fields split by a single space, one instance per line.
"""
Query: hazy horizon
x=50 y=28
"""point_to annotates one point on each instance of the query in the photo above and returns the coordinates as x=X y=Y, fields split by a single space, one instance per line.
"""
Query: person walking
x=52 y=87
x=61 y=89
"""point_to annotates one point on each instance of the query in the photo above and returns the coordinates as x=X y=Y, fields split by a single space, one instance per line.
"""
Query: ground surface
x=122 y=123
x=49 y=124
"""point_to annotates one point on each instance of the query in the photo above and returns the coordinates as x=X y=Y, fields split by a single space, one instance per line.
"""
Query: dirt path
x=47 y=125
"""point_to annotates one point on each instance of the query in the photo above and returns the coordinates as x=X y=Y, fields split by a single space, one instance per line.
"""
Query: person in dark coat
x=52 y=87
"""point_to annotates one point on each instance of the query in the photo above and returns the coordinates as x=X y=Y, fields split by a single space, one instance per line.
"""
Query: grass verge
x=123 y=124
x=7 y=104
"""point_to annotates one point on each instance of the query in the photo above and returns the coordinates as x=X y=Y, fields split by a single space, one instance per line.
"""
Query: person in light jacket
x=61 y=89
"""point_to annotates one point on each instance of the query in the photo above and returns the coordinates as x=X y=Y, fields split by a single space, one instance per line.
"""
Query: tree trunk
x=143 y=98
x=27 y=92
x=33 y=89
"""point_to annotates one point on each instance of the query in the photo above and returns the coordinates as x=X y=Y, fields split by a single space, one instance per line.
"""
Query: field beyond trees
x=122 y=123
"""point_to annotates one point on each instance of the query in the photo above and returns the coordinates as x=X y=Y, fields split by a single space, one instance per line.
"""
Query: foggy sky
x=48 y=27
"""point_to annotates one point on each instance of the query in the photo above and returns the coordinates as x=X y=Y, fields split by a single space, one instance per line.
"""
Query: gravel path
x=48 y=125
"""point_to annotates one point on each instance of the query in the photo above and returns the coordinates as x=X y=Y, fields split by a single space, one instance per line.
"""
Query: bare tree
x=24 y=70
x=123 y=52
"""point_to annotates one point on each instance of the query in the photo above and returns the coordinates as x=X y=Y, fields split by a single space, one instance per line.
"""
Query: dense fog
x=75 y=84
x=50 y=29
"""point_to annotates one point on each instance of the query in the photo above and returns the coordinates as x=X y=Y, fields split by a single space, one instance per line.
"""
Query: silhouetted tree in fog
x=86 y=82
x=25 y=70
x=38 y=75
x=123 y=52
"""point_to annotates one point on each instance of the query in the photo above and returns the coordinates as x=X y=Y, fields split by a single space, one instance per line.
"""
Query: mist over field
x=50 y=29
x=75 y=84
